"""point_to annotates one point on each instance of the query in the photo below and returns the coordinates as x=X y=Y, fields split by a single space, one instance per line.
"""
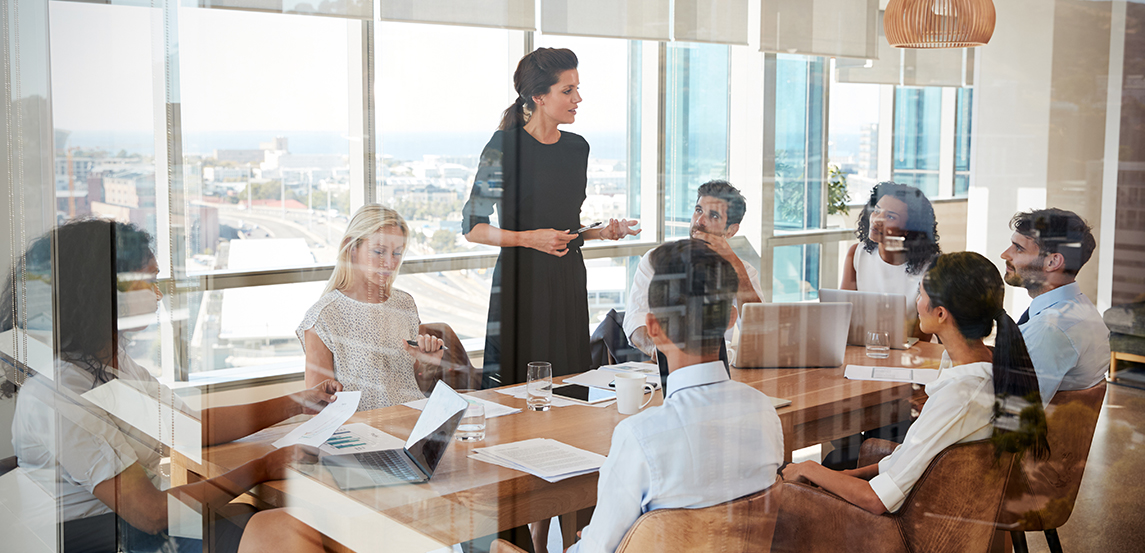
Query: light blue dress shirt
x=1068 y=341
x=713 y=440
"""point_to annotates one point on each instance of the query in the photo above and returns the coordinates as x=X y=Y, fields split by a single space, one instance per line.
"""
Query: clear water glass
x=539 y=386
x=472 y=426
x=878 y=345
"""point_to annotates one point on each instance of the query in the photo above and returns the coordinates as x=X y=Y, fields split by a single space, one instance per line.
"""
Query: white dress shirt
x=960 y=409
x=713 y=440
x=636 y=308
x=69 y=445
x=1068 y=341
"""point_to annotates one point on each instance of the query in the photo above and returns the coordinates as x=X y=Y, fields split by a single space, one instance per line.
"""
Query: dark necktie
x=1024 y=318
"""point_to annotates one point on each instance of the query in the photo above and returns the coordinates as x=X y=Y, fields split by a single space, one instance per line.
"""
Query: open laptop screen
x=434 y=428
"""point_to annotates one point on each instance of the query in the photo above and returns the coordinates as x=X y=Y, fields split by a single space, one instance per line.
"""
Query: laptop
x=781 y=335
x=874 y=312
x=414 y=463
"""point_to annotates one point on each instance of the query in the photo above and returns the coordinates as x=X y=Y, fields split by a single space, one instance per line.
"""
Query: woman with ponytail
x=534 y=176
x=980 y=393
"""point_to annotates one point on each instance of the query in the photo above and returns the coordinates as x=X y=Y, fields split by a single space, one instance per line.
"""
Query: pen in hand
x=414 y=344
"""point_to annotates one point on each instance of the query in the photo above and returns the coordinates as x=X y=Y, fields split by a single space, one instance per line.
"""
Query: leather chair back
x=744 y=524
x=952 y=508
x=955 y=504
x=1041 y=492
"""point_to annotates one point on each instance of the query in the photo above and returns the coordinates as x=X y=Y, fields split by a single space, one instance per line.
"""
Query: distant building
x=240 y=156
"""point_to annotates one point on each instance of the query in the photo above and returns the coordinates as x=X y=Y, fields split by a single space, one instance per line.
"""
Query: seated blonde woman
x=357 y=330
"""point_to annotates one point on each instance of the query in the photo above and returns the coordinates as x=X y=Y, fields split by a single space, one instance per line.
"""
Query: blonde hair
x=369 y=219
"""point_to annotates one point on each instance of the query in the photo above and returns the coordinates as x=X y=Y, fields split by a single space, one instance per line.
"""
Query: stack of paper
x=492 y=409
x=600 y=378
x=890 y=374
x=548 y=459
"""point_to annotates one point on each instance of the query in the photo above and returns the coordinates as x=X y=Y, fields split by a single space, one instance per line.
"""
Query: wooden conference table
x=467 y=499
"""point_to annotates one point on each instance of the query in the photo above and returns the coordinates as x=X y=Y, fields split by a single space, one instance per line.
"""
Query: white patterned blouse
x=366 y=340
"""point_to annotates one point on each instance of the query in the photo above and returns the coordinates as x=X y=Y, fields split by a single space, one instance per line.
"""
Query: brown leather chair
x=1041 y=492
x=744 y=524
x=456 y=369
x=952 y=508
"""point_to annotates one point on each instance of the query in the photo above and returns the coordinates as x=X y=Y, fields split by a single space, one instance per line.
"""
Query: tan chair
x=744 y=524
x=456 y=369
x=1041 y=492
x=952 y=508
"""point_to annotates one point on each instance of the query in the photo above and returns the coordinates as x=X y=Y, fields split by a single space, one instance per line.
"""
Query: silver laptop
x=793 y=335
x=414 y=463
x=874 y=312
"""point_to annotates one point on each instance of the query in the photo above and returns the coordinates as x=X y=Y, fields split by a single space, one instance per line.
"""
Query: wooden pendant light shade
x=938 y=23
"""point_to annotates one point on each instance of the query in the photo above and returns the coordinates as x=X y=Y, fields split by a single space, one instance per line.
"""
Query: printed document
x=359 y=437
x=492 y=409
x=542 y=457
x=317 y=430
x=890 y=374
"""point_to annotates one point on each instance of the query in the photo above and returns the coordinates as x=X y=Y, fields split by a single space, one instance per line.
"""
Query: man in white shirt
x=719 y=209
x=713 y=440
x=1065 y=334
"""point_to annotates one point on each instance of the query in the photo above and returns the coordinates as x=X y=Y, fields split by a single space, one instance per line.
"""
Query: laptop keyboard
x=391 y=463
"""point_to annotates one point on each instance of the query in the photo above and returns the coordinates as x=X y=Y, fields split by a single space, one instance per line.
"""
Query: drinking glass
x=539 y=386
x=878 y=345
x=472 y=426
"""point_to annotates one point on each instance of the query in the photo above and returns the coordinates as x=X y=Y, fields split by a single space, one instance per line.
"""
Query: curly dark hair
x=921 y=227
x=89 y=256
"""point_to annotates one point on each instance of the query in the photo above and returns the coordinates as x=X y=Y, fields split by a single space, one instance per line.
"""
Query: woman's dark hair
x=921 y=239
x=89 y=255
x=536 y=73
x=969 y=286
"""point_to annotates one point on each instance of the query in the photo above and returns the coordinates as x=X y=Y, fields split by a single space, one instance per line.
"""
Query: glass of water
x=539 y=386
x=472 y=426
x=878 y=345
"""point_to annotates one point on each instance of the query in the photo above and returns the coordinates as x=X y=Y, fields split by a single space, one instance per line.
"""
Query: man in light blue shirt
x=1067 y=339
x=713 y=440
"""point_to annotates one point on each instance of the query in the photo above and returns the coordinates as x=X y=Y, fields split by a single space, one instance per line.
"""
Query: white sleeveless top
x=872 y=274
x=366 y=340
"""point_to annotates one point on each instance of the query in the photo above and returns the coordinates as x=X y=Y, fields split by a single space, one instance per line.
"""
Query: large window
x=918 y=113
x=962 y=141
x=696 y=133
x=799 y=172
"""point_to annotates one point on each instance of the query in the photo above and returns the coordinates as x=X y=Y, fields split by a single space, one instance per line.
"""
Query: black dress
x=538 y=309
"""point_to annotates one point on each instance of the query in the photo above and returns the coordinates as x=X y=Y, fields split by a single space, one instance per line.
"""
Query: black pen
x=597 y=224
x=414 y=344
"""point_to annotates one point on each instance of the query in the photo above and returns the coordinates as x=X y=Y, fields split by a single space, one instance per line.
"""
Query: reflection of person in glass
x=104 y=472
x=898 y=239
x=357 y=331
x=535 y=176
x=986 y=393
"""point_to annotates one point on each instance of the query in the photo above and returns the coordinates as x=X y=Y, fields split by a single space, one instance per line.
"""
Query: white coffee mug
x=629 y=392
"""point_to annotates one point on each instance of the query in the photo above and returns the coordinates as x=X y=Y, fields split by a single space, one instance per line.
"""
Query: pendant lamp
x=938 y=23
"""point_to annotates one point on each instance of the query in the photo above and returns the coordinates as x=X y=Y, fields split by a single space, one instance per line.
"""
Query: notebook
x=873 y=311
x=793 y=335
x=414 y=463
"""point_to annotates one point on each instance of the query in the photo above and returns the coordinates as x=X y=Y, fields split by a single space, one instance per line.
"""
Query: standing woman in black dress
x=535 y=177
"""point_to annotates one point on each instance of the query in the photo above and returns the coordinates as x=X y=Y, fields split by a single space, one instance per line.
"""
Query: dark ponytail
x=969 y=286
x=536 y=73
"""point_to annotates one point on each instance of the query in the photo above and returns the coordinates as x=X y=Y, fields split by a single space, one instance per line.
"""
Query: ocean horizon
x=410 y=146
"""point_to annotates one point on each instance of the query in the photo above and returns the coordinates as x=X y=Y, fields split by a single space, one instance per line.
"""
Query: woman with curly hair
x=898 y=240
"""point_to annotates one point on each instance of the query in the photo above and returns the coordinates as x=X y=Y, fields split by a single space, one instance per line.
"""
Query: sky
x=247 y=71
